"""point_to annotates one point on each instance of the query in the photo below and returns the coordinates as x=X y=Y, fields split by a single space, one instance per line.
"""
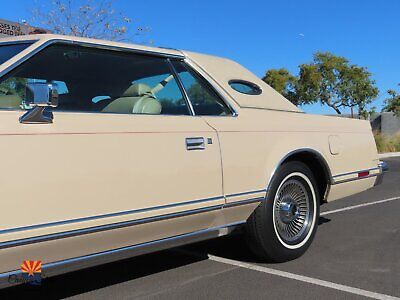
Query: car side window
x=167 y=92
x=204 y=99
x=97 y=80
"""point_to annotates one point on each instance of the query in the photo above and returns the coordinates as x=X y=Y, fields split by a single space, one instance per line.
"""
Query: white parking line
x=358 y=206
x=319 y=282
x=310 y=280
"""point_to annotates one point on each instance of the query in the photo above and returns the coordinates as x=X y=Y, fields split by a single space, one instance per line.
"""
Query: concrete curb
x=389 y=154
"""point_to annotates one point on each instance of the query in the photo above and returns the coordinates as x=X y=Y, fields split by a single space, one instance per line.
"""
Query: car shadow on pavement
x=83 y=281
x=323 y=220
x=94 y=278
x=232 y=247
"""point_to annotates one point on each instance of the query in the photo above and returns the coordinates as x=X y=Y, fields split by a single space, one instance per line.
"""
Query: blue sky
x=271 y=34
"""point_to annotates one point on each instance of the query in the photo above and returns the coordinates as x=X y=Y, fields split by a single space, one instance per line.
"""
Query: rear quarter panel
x=254 y=142
x=269 y=127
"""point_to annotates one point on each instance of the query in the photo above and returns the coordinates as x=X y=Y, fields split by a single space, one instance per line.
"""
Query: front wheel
x=284 y=225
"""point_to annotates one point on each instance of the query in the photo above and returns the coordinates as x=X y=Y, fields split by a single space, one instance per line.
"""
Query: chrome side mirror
x=39 y=96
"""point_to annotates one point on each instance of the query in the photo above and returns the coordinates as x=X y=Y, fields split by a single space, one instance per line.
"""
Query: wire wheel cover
x=292 y=211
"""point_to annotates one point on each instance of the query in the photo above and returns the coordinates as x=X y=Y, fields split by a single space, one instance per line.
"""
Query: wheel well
x=319 y=168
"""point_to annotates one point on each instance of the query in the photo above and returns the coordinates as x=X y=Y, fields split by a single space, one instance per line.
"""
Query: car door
x=105 y=174
x=242 y=156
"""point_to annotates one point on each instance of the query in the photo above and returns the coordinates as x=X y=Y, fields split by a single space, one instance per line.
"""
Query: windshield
x=8 y=51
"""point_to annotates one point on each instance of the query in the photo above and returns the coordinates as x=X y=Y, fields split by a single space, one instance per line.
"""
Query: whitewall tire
x=284 y=225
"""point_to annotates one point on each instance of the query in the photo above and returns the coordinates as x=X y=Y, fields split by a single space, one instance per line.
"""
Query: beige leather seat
x=137 y=99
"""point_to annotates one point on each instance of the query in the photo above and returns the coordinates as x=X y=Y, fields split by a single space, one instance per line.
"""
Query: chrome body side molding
x=117 y=225
x=354 y=175
x=244 y=202
x=246 y=193
x=116 y=214
x=91 y=260
x=355 y=172
x=94 y=229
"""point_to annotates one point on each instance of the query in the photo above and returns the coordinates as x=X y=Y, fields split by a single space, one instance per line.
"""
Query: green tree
x=283 y=82
x=358 y=89
x=199 y=95
x=13 y=86
x=333 y=81
x=392 y=103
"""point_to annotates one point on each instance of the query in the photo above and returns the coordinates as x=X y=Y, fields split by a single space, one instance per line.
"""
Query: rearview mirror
x=41 y=94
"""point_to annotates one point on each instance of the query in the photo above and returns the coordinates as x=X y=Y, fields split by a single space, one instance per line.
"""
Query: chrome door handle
x=195 y=143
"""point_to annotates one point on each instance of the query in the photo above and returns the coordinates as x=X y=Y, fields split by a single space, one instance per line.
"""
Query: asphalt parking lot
x=355 y=255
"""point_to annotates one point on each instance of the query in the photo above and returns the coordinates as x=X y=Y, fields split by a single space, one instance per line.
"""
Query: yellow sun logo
x=31 y=267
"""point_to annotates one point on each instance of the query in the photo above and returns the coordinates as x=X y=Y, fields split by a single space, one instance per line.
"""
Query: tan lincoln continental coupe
x=113 y=150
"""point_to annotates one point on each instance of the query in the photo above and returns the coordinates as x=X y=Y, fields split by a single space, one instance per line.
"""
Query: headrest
x=137 y=90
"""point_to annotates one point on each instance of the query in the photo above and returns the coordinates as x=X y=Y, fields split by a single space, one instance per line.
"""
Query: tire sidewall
x=271 y=238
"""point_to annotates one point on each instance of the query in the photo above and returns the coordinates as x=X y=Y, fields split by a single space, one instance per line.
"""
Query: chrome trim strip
x=117 y=225
x=51 y=224
x=181 y=87
x=273 y=109
x=244 y=202
x=355 y=178
x=85 y=44
x=116 y=214
x=383 y=166
x=338 y=181
x=18 y=42
x=247 y=193
x=94 y=229
x=214 y=85
x=25 y=58
x=320 y=157
x=120 y=48
x=356 y=172
x=91 y=260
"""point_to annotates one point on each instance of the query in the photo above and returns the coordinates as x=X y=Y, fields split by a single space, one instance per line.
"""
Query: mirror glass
x=41 y=94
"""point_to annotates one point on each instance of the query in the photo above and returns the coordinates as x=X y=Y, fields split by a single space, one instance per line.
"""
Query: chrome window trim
x=91 y=260
x=42 y=46
x=18 y=42
x=24 y=58
x=273 y=109
x=87 y=45
x=215 y=87
x=181 y=87
x=252 y=85
x=93 y=46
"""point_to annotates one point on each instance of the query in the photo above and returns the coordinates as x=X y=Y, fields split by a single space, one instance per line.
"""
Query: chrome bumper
x=383 y=167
